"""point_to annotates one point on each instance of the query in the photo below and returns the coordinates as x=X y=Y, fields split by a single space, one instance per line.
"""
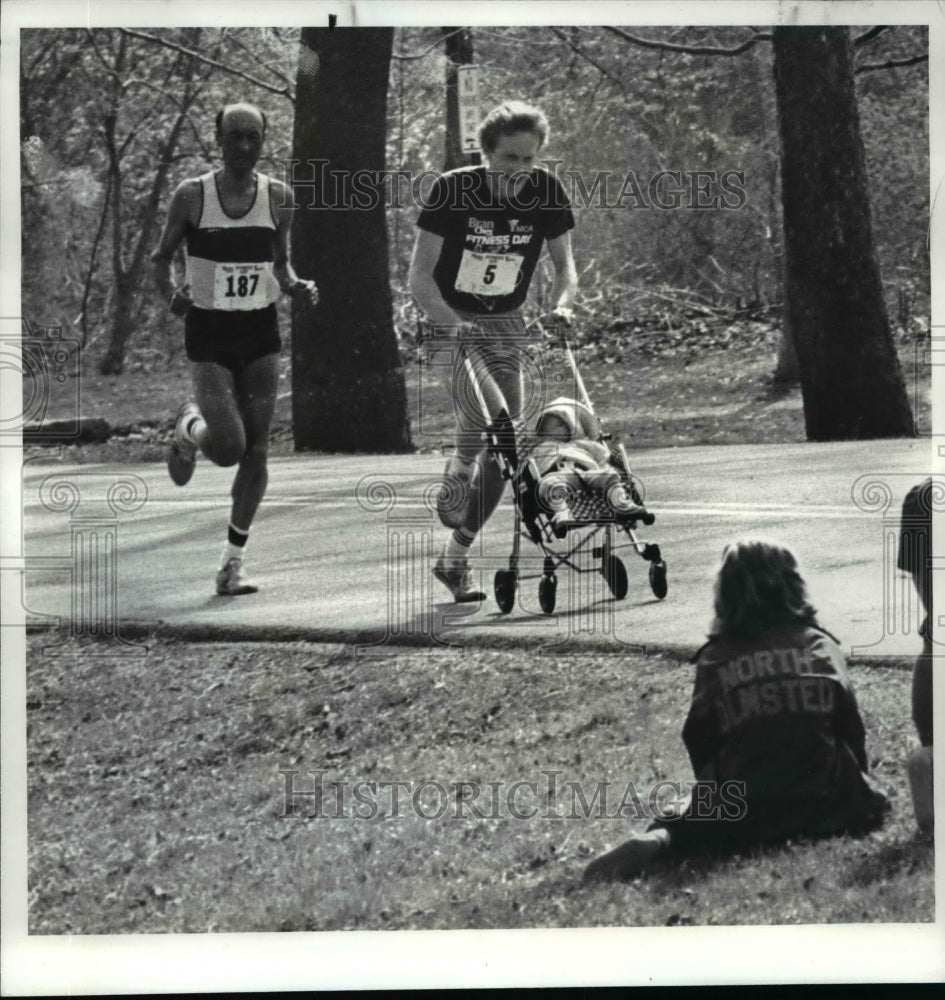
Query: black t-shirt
x=490 y=248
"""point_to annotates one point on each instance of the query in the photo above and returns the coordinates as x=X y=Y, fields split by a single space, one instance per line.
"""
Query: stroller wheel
x=658 y=579
x=505 y=582
x=615 y=573
x=547 y=591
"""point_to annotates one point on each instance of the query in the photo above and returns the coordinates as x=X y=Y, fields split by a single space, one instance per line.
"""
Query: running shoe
x=231 y=582
x=182 y=454
x=458 y=580
x=561 y=522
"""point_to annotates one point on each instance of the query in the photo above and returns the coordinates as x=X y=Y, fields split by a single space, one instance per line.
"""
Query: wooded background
x=113 y=119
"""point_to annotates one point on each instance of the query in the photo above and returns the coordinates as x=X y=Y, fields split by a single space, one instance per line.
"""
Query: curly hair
x=758 y=585
x=509 y=118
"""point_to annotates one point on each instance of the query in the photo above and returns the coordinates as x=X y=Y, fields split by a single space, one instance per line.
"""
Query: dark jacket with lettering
x=777 y=712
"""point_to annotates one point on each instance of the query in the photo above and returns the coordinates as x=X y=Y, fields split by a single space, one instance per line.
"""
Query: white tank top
x=229 y=260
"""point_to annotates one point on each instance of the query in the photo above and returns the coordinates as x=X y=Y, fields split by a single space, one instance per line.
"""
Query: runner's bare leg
x=223 y=439
x=256 y=387
x=501 y=387
x=237 y=410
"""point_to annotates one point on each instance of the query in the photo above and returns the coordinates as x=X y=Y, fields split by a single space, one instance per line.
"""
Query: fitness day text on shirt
x=491 y=247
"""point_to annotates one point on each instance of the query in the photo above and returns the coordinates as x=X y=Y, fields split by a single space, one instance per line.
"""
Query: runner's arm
x=426 y=253
x=175 y=229
x=282 y=208
x=565 y=284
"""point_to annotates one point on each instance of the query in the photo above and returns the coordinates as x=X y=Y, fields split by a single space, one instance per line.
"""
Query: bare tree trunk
x=348 y=389
x=850 y=376
x=128 y=277
x=113 y=361
x=787 y=371
x=128 y=280
x=90 y=273
x=121 y=326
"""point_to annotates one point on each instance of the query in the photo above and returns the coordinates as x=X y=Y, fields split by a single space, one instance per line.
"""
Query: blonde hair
x=759 y=585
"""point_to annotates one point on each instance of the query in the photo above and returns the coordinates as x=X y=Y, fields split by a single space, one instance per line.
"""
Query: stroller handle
x=560 y=340
x=585 y=399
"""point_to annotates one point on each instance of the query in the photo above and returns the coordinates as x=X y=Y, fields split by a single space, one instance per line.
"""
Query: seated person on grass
x=774 y=733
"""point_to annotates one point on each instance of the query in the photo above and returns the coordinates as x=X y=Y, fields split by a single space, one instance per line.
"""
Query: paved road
x=342 y=549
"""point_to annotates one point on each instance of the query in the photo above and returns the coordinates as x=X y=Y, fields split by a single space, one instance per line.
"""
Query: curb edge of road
x=379 y=642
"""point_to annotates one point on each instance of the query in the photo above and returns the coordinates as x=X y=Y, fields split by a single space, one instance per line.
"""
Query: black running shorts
x=231 y=339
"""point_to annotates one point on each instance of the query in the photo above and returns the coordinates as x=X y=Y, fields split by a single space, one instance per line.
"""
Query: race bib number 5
x=240 y=286
x=488 y=273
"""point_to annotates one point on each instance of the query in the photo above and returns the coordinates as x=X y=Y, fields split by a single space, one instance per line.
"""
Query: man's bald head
x=240 y=111
x=241 y=131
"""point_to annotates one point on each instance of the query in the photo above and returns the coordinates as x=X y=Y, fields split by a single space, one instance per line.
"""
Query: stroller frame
x=534 y=523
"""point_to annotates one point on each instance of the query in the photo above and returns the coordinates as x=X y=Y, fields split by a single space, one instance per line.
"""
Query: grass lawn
x=157 y=799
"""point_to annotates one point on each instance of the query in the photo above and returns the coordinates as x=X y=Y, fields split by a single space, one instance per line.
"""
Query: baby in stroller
x=579 y=478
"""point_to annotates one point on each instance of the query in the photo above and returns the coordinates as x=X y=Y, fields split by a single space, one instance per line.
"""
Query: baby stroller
x=599 y=511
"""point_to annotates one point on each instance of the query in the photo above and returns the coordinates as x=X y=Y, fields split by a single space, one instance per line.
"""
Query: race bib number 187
x=240 y=286
x=488 y=273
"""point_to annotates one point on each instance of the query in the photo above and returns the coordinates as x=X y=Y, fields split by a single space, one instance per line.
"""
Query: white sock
x=457 y=548
x=192 y=427
x=231 y=551
x=661 y=836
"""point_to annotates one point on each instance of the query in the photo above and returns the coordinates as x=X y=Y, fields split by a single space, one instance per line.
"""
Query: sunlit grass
x=157 y=802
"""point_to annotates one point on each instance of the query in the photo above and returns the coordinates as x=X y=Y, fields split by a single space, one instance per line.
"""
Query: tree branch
x=110 y=70
x=891 y=63
x=692 y=50
x=152 y=204
x=281 y=91
x=242 y=45
x=868 y=36
x=109 y=129
x=407 y=56
x=87 y=289
x=758 y=36
x=580 y=52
